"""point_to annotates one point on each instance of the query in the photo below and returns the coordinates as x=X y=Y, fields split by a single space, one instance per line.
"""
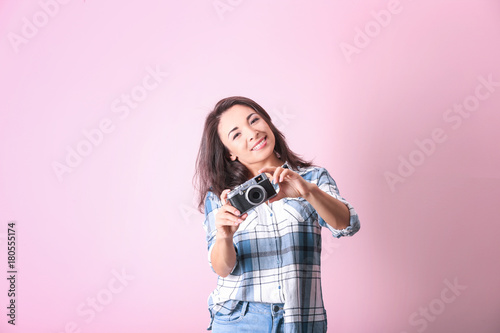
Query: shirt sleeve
x=328 y=185
x=212 y=206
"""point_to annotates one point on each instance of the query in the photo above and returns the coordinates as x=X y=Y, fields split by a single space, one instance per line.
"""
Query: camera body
x=251 y=193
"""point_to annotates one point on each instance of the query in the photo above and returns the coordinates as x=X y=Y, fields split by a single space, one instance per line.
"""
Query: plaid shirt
x=278 y=251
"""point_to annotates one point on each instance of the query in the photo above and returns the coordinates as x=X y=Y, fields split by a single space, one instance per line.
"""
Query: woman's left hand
x=291 y=184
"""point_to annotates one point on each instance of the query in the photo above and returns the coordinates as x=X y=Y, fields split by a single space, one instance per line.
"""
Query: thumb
x=223 y=196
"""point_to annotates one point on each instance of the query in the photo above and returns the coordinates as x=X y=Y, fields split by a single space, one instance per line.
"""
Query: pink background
x=129 y=205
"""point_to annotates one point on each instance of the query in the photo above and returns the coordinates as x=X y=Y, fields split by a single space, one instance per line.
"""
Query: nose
x=253 y=134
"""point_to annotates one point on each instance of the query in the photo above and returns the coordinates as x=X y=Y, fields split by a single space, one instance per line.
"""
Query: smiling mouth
x=260 y=144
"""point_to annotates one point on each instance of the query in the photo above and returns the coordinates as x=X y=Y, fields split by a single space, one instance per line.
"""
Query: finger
x=229 y=220
x=233 y=220
x=242 y=218
x=285 y=173
x=223 y=196
x=276 y=174
x=235 y=216
x=230 y=209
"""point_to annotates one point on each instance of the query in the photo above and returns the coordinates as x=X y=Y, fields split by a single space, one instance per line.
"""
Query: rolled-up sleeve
x=212 y=206
x=327 y=184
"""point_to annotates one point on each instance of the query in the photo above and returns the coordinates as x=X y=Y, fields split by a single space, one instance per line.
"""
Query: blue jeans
x=251 y=317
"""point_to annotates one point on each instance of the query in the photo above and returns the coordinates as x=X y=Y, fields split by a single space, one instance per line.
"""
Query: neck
x=273 y=160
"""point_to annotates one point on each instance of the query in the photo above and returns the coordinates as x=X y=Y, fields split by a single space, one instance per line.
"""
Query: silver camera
x=251 y=193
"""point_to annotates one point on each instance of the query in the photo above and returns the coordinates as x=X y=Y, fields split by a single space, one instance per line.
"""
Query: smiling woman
x=251 y=141
x=268 y=259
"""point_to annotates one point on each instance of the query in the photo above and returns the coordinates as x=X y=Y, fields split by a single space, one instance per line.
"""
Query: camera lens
x=255 y=195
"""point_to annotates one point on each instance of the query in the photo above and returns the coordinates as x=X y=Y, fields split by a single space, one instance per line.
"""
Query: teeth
x=259 y=145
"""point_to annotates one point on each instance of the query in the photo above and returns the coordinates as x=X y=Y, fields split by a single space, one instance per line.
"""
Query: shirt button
x=276 y=308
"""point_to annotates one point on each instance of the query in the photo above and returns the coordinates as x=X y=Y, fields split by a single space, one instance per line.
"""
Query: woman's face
x=247 y=137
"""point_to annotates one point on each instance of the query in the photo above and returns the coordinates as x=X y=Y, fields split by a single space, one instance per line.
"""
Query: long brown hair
x=214 y=169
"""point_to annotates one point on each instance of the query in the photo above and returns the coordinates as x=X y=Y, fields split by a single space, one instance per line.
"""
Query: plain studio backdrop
x=102 y=108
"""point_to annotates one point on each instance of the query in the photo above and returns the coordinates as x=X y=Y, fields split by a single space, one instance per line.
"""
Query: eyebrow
x=234 y=129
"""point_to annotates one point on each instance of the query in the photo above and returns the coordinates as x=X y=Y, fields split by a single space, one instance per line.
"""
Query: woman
x=268 y=259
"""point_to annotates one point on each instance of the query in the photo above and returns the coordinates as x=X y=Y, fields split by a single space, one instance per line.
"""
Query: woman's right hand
x=227 y=220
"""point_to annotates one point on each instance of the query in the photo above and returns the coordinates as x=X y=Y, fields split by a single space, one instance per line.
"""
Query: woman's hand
x=291 y=184
x=227 y=220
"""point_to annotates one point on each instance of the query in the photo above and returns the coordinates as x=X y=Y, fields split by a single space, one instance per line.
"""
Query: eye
x=254 y=120
x=236 y=135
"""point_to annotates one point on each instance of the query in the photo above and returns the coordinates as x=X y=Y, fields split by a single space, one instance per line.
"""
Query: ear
x=232 y=157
